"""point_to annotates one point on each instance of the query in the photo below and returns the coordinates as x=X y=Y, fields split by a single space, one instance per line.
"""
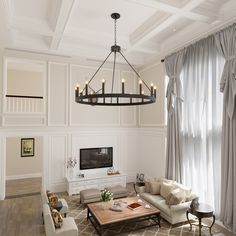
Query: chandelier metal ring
x=101 y=97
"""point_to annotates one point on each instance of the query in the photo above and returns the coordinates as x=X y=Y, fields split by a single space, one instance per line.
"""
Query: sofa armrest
x=179 y=210
x=69 y=228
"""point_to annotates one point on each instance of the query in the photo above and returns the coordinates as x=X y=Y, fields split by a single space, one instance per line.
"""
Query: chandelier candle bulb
x=155 y=91
x=123 y=85
x=140 y=86
x=151 y=89
x=86 y=87
x=76 y=92
x=103 y=86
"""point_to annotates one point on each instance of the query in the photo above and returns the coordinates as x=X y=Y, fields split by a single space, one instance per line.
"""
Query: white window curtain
x=202 y=120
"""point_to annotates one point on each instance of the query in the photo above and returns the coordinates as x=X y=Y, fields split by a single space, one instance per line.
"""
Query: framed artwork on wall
x=27 y=147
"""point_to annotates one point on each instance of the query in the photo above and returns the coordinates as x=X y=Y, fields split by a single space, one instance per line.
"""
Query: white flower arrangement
x=106 y=195
x=71 y=162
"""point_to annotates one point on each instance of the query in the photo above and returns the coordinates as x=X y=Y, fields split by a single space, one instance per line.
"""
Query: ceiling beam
x=62 y=20
x=184 y=11
x=151 y=27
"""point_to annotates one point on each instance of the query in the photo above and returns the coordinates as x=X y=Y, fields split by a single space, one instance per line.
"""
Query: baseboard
x=26 y=176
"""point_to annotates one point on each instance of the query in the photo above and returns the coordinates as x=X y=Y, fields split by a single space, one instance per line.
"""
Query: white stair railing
x=24 y=104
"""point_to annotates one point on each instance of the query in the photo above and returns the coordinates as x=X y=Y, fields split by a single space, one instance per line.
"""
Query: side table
x=139 y=187
x=201 y=211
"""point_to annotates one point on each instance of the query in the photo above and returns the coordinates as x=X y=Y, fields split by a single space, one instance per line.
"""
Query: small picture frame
x=27 y=147
x=141 y=177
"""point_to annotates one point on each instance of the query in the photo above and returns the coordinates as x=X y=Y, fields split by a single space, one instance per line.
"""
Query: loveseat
x=170 y=197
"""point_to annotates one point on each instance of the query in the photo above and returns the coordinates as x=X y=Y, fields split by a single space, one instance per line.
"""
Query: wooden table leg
x=190 y=229
x=214 y=218
x=87 y=214
x=200 y=225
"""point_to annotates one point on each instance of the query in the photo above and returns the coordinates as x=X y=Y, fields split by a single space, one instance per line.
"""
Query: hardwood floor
x=21 y=217
x=20 y=187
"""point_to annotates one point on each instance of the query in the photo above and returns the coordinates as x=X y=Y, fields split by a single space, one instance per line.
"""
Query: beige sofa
x=64 y=210
x=68 y=228
x=172 y=213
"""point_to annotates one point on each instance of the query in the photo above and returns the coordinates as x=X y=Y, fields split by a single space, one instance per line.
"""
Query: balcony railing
x=24 y=104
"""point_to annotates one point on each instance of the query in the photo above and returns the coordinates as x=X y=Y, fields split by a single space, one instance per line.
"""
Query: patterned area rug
x=79 y=213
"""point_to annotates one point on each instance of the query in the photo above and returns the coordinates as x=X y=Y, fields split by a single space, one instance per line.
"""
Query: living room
x=49 y=49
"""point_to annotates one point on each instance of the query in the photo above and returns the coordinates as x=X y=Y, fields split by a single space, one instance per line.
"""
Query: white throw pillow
x=166 y=188
x=184 y=188
x=155 y=187
x=175 y=197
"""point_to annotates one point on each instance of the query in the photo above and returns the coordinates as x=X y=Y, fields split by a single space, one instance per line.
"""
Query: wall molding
x=25 y=176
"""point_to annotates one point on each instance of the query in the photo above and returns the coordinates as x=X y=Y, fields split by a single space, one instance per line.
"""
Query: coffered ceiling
x=147 y=30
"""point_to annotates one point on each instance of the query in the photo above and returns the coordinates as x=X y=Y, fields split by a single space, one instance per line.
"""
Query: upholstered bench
x=90 y=195
x=118 y=191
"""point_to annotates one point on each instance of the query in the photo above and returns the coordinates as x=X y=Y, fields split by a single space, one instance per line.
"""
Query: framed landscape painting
x=27 y=147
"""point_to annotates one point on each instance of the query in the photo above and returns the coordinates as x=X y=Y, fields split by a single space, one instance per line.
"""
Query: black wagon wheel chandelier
x=101 y=97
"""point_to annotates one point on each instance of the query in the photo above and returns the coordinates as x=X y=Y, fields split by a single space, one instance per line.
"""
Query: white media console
x=75 y=185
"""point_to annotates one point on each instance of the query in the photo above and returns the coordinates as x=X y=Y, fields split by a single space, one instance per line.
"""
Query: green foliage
x=106 y=195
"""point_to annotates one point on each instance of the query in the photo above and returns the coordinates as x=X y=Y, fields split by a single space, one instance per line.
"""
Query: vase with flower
x=71 y=163
x=106 y=197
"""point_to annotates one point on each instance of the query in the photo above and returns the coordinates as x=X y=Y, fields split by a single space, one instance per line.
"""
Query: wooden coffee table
x=105 y=218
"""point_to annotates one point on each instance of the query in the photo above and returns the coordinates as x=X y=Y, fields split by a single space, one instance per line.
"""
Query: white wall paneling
x=24 y=120
x=128 y=113
x=84 y=115
x=58 y=94
x=153 y=114
x=2 y=167
x=152 y=143
x=57 y=167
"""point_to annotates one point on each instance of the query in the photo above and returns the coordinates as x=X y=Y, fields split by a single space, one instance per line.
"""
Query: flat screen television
x=91 y=158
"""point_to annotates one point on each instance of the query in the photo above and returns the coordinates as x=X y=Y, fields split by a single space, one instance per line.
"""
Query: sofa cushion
x=184 y=188
x=164 y=180
x=175 y=197
x=147 y=186
x=57 y=218
x=166 y=188
x=155 y=187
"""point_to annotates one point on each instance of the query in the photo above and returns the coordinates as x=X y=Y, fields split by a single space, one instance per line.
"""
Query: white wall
x=154 y=114
x=67 y=126
x=23 y=167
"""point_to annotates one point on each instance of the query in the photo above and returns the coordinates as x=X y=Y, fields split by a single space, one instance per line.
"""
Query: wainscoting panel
x=23 y=120
x=57 y=87
x=58 y=155
x=84 y=115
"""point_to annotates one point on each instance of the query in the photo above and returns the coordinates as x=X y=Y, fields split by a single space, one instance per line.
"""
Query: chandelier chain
x=115 y=32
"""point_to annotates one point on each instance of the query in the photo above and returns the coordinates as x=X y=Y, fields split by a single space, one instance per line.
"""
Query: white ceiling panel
x=147 y=31
x=96 y=17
